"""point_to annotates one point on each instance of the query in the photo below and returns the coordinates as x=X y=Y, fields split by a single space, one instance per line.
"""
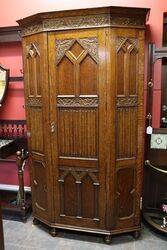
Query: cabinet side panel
x=129 y=51
x=37 y=114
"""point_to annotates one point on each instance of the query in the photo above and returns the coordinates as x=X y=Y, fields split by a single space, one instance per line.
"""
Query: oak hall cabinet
x=84 y=72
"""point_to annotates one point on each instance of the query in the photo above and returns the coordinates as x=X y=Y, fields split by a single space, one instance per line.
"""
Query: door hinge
x=141 y=203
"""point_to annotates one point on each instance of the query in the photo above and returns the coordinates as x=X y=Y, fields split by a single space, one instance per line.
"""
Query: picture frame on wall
x=4 y=81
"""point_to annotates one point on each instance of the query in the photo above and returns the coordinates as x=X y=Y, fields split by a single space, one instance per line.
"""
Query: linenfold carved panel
x=88 y=44
x=78 y=132
x=126 y=135
x=81 y=101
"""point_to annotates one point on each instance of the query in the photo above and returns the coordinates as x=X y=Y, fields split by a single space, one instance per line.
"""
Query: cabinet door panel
x=76 y=63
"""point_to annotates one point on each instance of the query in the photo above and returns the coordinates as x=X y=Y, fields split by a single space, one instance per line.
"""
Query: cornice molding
x=84 y=22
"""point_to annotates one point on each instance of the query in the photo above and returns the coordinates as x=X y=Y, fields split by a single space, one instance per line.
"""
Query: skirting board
x=13 y=188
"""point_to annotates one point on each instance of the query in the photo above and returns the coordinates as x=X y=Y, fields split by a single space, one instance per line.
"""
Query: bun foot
x=24 y=219
x=136 y=235
x=53 y=232
x=108 y=239
x=35 y=221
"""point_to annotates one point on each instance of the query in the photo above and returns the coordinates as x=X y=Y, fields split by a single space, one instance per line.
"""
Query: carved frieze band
x=126 y=43
x=89 y=44
x=77 y=102
x=126 y=101
x=34 y=102
x=85 y=22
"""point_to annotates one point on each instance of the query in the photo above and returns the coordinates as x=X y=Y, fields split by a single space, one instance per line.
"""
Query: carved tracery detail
x=88 y=44
x=33 y=50
x=127 y=44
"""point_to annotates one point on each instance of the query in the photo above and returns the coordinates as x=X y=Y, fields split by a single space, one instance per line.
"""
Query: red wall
x=11 y=55
x=11 y=58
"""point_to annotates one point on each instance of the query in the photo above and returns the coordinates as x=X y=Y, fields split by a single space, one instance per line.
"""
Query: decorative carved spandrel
x=89 y=44
x=62 y=46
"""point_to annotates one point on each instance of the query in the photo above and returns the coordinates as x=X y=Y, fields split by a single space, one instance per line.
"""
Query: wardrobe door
x=37 y=114
x=77 y=66
x=129 y=51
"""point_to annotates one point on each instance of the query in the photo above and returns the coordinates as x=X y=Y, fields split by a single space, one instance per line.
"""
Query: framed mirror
x=4 y=81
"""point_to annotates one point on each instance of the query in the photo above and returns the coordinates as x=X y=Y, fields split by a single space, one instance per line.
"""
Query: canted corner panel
x=127 y=65
x=34 y=71
x=79 y=194
x=34 y=101
x=127 y=100
x=39 y=185
x=78 y=131
x=36 y=130
x=126 y=132
x=125 y=194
